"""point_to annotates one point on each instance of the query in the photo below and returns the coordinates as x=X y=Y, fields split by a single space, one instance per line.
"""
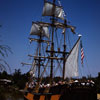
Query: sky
x=16 y=18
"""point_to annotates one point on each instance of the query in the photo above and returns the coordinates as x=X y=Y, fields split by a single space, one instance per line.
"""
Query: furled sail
x=50 y=9
x=33 y=69
x=71 y=65
x=37 y=29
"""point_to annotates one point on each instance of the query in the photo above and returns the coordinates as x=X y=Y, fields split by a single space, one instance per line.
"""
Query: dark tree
x=4 y=49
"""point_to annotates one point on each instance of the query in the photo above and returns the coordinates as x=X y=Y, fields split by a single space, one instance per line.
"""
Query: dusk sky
x=16 y=18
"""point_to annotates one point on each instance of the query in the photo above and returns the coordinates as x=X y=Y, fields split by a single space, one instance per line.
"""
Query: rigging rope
x=80 y=72
x=69 y=41
x=87 y=64
x=59 y=40
x=56 y=37
x=59 y=66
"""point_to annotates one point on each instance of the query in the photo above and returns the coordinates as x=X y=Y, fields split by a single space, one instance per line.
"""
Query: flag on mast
x=82 y=53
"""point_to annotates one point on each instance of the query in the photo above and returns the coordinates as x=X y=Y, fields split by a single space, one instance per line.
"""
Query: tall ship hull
x=64 y=92
x=54 y=57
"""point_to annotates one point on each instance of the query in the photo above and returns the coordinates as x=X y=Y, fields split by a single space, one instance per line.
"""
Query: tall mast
x=39 y=60
x=64 y=51
x=52 y=43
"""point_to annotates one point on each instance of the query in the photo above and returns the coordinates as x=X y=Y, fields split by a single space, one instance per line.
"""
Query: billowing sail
x=53 y=10
x=37 y=29
x=71 y=65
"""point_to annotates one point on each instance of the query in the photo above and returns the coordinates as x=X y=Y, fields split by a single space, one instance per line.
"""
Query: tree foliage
x=4 y=49
x=19 y=80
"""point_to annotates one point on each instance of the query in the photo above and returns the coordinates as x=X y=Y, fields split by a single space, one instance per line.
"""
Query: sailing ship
x=51 y=55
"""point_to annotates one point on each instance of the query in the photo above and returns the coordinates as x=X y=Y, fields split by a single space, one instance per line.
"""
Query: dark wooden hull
x=65 y=92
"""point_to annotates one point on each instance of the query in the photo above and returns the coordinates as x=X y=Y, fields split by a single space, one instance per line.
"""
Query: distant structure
x=5 y=82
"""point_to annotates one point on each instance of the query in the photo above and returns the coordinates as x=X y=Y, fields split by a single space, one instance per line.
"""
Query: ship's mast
x=52 y=51
x=39 y=60
x=38 y=27
x=64 y=51
x=52 y=44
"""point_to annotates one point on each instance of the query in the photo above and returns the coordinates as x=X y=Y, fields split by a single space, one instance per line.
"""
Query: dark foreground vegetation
x=10 y=93
x=18 y=79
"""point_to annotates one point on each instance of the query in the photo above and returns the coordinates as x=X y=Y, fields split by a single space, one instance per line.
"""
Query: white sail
x=33 y=69
x=45 y=31
x=59 y=12
x=71 y=65
x=50 y=9
x=36 y=29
